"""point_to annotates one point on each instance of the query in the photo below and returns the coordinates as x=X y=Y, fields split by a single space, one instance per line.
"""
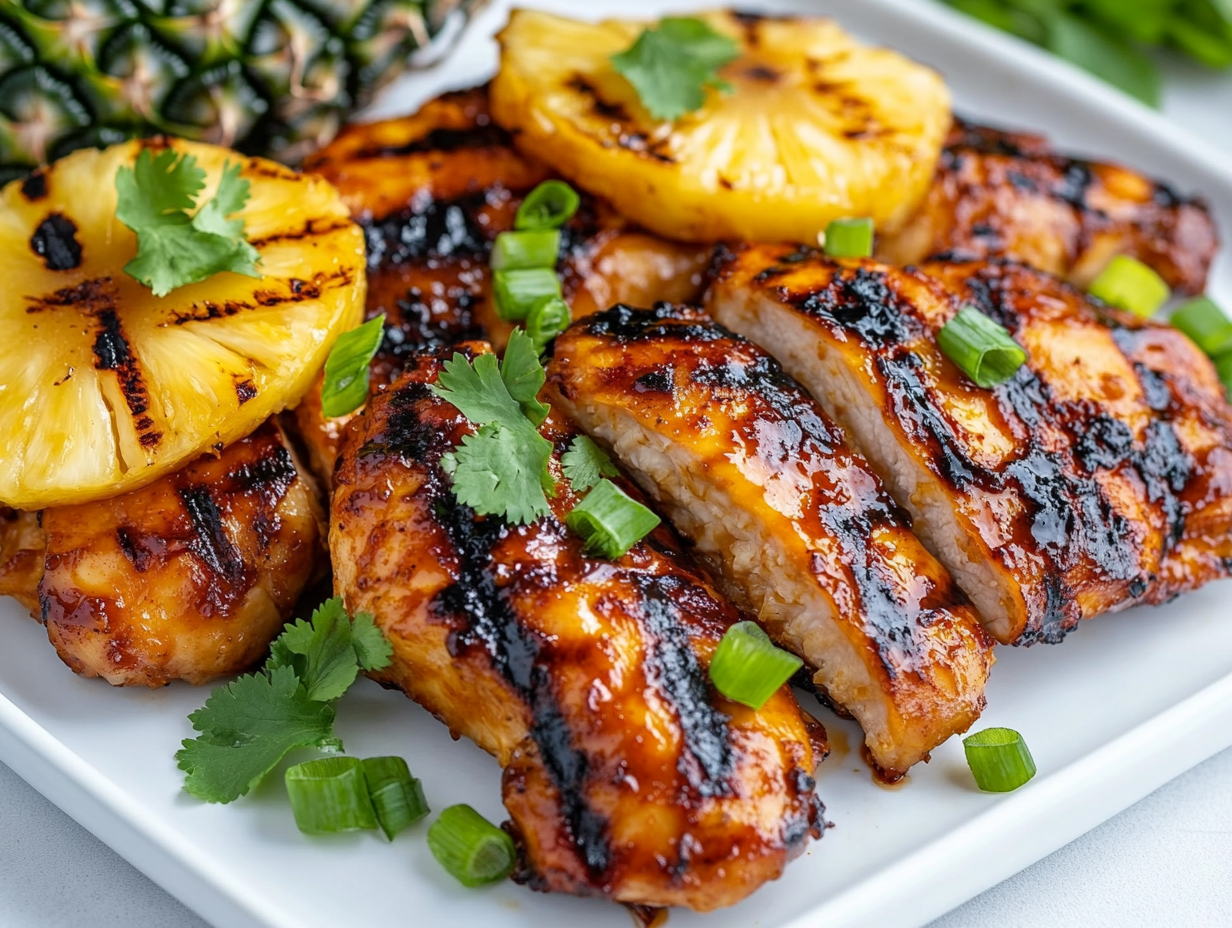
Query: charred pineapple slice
x=105 y=387
x=816 y=127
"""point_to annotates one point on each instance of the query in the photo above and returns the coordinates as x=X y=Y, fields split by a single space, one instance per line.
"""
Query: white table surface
x=1165 y=861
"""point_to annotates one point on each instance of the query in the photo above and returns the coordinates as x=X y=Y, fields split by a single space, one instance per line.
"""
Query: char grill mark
x=55 y=241
x=515 y=652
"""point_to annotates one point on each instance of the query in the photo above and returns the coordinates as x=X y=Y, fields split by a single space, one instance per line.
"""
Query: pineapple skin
x=275 y=77
x=113 y=387
x=816 y=127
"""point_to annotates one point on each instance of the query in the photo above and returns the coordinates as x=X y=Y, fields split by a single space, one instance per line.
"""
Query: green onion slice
x=547 y=318
x=850 y=238
x=1128 y=284
x=748 y=668
x=518 y=290
x=548 y=206
x=610 y=521
x=981 y=348
x=346 y=368
x=397 y=797
x=330 y=796
x=471 y=848
x=532 y=248
x=999 y=759
x=1206 y=325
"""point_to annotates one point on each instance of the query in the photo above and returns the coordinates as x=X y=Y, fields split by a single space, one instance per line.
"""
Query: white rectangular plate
x=1128 y=701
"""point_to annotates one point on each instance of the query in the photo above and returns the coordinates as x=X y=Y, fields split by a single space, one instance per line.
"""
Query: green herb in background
x=1109 y=38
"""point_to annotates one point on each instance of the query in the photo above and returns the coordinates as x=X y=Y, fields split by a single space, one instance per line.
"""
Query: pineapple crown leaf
x=174 y=246
x=671 y=66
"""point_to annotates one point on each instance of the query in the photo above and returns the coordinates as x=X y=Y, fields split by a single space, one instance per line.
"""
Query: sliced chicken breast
x=1098 y=477
x=626 y=774
x=433 y=191
x=22 y=546
x=188 y=578
x=999 y=193
x=751 y=470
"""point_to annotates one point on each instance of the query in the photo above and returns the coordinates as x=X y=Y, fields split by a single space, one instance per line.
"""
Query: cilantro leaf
x=328 y=652
x=477 y=390
x=670 y=67
x=372 y=648
x=175 y=248
x=502 y=469
x=585 y=464
x=320 y=652
x=524 y=375
x=498 y=471
x=247 y=727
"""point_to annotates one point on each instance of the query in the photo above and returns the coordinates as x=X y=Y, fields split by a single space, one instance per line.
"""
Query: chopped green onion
x=981 y=348
x=346 y=368
x=610 y=521
x=548 y=206
x=850 y=238
x=396 y=795
x=547 y=318
x=1128 y=284
x=518 y=290
x=330 y=795
x=1223 y=367
x=471 y=848
x=1205 y=324
x=532 y=248
x=999 y=759
x=748 y=668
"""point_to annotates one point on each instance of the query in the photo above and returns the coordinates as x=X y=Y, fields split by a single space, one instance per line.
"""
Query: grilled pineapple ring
x=817 y=127
x=105 y=387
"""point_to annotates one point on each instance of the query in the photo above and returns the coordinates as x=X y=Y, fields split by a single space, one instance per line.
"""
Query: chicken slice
x=1008 y=193
x=22 y=544
x=188 y=578
x=432 y=191
x=749 y=468
x=1098 y=477
x=626 y=774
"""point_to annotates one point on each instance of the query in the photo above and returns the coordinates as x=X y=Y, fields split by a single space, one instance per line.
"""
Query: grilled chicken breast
x=1098 y=477
x=1008 y=193
x=22 y=544
x=626 y=774
x=752 y=471
x=187 y=578
x=432 y=191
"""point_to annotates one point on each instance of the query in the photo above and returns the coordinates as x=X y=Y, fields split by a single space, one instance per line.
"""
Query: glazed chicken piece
x=626 y=775
x=188 y=578
x=1098 y=477
x=22 y=544
x=432 y=192
x=1009 y=193
x=749 y=469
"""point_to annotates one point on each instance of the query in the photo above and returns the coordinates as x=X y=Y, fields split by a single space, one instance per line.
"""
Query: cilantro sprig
x=250 y=724
x=671 y=66
x=502 y=469
x=175 y=246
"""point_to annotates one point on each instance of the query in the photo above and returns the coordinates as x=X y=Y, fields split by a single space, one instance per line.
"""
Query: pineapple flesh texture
x=266 y=76
x=815 y=127
x=105 y=387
